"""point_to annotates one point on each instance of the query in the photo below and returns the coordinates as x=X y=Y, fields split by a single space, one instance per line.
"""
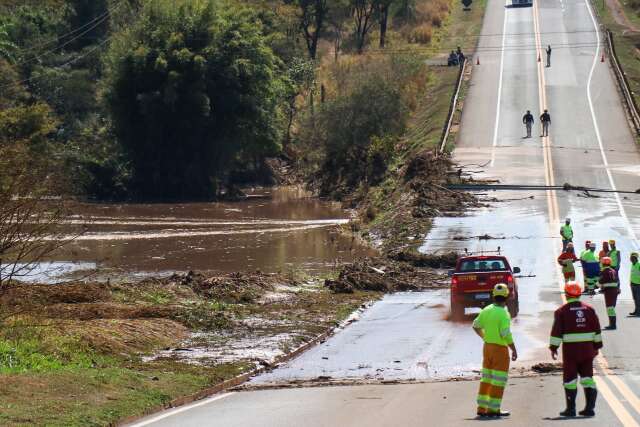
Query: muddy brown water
x=273 y=230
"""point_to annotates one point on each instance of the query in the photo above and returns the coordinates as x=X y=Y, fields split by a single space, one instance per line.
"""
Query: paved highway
x=408 y=336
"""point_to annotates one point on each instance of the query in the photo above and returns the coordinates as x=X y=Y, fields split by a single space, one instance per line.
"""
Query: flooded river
x=281 y=229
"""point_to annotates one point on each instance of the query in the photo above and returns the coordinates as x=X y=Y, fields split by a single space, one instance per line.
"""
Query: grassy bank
x=92 y=354
x=624 y=23
x=398 y=213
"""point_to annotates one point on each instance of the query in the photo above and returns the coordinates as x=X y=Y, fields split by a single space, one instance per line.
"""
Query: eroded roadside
x=122 y=348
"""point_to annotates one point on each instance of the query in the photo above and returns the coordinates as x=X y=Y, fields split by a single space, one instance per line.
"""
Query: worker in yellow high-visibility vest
x=493 y=325
x=566 y=233
x=635 y=283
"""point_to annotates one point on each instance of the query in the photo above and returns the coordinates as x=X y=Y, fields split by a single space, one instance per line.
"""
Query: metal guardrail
x=452 y=108
x=623 y=83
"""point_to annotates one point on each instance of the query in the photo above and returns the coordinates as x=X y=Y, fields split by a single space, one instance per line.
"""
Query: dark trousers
x=574 y=364
x=610 y=300
x=635 y=291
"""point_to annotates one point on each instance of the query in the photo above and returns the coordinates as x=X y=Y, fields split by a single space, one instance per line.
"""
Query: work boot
x=570 y=398
x=589 y=410
x=612 y=324
x=501 y=413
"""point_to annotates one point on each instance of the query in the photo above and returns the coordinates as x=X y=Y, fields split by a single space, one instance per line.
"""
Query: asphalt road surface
x=408 y=336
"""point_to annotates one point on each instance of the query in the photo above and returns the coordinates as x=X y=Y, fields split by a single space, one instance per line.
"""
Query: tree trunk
x=384 y=14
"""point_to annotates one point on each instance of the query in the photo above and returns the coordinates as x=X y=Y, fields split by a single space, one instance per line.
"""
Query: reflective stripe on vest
x=610 y=285
x=579 y=337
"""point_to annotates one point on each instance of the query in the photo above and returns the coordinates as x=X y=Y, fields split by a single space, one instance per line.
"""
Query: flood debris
x=546 y=367
x=427 y=175
x=416 y=259
x=385 y=275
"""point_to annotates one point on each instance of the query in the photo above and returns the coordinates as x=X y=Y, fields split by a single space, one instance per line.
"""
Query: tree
x=383 y=17
x=338 y=17
x=312 y=21
x=301 y=76
x=7 y=48
x=363 y=20
x=29 y=216
x=190 y=90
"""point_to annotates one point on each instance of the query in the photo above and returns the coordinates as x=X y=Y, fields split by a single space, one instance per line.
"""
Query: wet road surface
x=590 y=145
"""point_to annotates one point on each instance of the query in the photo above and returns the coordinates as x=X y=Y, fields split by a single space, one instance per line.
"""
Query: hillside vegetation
x=185 y=99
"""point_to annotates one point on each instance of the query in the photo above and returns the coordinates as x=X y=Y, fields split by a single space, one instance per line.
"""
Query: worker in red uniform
x=610 y=288
x=576 y=327
x=566 y=260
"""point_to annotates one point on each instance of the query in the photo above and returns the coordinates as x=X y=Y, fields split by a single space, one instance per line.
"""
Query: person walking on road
x=615 y=256
x=576 y=327
x=610 y=289
x=566 y=260
x=635 y=283
x=545 y=119
x=590 y=268
x=566 y=233
x=548 y=56
x=527 y=119
x=493 y=325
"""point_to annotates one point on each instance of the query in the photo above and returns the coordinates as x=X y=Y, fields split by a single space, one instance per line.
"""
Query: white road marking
x=181 y=409
x=623 y=214
x=495 y=129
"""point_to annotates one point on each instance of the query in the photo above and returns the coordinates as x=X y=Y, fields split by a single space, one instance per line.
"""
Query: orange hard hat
x=572 y=289
x=606 y=261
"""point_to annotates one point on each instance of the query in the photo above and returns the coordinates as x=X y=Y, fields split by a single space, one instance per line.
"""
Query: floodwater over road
x=280 y=229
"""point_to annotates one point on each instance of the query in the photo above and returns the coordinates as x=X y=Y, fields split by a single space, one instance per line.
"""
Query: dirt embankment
x=397 y=219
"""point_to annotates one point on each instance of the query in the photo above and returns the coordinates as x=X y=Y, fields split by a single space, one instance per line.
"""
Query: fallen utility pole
x=526 y=187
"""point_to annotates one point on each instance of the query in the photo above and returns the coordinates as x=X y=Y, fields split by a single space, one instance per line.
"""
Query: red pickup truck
x=474 y=278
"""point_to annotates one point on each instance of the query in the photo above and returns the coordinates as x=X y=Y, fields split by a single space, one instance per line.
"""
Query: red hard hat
x=606 y=261
x=572 y=289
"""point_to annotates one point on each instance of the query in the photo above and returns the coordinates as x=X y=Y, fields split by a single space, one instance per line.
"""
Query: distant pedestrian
x=460 y=55
x=493 y=325
x=548 y=55
x=635 y=283
x=527 y=119
x=545 y=119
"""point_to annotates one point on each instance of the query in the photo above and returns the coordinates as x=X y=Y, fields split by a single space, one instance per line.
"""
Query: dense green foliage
x=190 y=90
x=186 y=99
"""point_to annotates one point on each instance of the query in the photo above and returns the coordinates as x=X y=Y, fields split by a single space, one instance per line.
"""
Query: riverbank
x=94 y=353
x=396 y=214
x=621 y=18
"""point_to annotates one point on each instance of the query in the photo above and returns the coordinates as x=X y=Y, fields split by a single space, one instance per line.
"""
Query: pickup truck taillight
x=454 y=284
x=510 y=279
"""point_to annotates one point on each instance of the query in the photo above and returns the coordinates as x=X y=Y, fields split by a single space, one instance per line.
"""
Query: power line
x=92 y=25
x=76 y=59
